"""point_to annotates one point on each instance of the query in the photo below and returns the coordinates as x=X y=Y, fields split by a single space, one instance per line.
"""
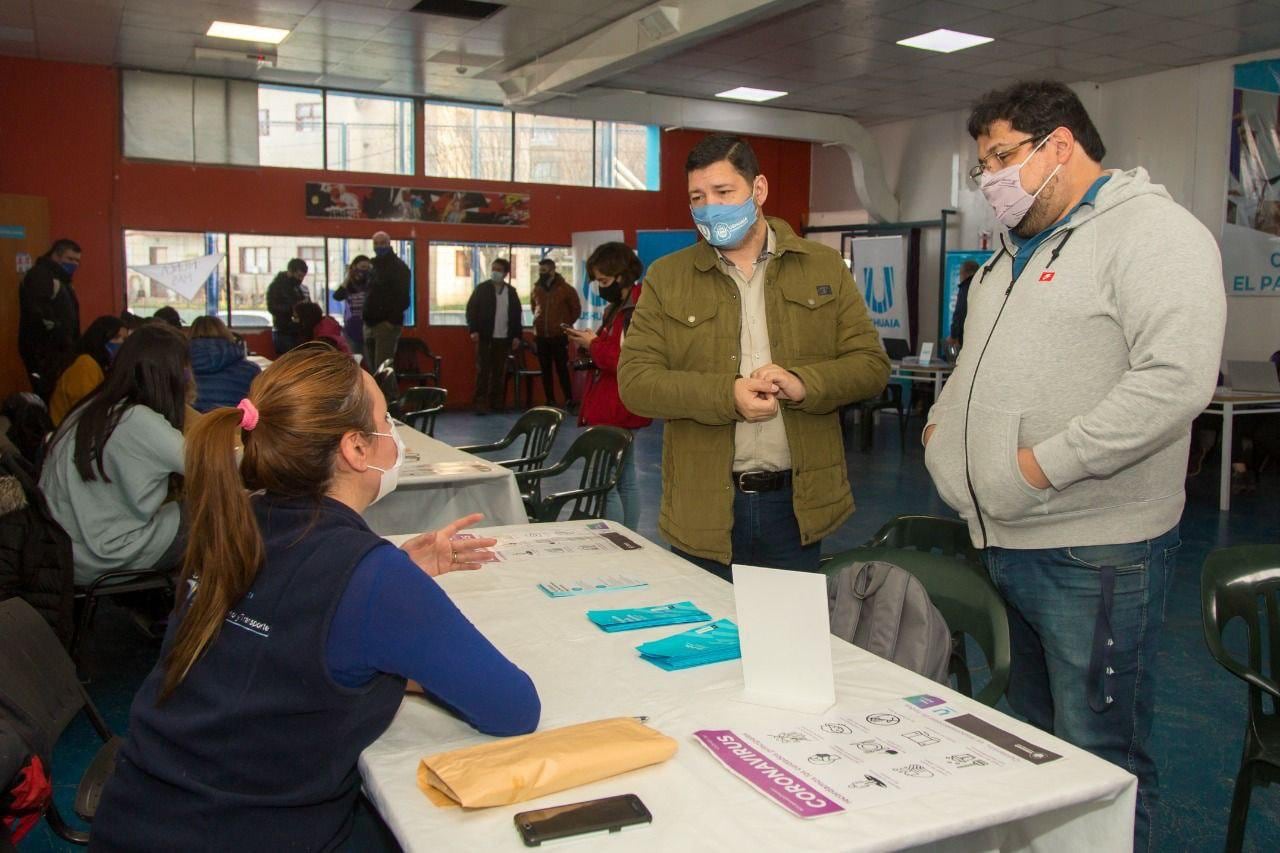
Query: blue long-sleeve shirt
x=394 y=618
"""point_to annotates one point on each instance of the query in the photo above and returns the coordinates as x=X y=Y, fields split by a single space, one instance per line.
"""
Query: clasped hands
x=756 y=396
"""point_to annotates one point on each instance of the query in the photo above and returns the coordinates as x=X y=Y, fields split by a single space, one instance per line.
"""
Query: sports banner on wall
x=880 y=266
x=414 y=204
x=584 y=243
x=1251 y=234
x=184 y=277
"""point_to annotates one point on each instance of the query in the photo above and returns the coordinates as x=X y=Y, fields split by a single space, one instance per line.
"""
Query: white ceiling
x=833 y=56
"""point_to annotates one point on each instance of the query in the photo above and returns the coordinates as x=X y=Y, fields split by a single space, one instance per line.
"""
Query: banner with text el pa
x=880 y=267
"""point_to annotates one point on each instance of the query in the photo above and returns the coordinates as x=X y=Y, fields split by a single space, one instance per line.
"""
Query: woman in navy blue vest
x=292 y=651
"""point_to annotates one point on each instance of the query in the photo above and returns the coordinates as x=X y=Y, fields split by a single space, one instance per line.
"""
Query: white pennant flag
x=185 y=277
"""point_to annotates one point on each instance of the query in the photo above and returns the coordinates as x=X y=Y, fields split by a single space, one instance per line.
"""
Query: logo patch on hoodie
x=1047 y=275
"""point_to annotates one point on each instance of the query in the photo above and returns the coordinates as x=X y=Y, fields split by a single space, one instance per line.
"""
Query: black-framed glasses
x=1001 y=157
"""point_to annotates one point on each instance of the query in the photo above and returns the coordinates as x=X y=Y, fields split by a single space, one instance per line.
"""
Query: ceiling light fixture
x=945 y=41
x=746 y=93
x=246 y=32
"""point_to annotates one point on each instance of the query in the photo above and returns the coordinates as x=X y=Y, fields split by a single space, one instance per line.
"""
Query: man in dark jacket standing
x=386 y=303
x=555 y=304
x=494 y=318
x=284 y=294
x=49 y=315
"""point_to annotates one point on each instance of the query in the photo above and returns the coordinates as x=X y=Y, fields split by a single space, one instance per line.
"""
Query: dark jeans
x=284 y=341
x=765 y=533
x=554 y=352
x=491 y=367
x=1080 y=669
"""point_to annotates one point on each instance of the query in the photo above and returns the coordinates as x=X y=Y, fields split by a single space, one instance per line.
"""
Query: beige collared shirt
x=759 y=446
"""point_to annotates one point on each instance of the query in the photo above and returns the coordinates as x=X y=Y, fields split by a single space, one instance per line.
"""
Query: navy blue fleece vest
x=257 y=748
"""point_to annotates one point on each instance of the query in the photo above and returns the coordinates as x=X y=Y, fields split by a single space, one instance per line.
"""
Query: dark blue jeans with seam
x=765 y=533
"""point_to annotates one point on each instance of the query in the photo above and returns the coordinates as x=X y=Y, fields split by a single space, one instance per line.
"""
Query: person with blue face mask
x=49 y=315
x=748 y=343
x=97 y=349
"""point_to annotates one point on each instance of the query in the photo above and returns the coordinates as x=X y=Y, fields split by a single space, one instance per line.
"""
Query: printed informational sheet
x=606 y=583
x=412 y=468
x=538 y=541
x=846 y=760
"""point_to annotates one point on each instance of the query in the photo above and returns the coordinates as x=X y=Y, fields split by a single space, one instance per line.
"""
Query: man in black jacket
x=386 y=303
x=284 y=294
x=49 y=315
x=494 y=317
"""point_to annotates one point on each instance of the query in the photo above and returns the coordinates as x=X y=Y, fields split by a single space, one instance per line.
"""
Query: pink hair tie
x=249 y=414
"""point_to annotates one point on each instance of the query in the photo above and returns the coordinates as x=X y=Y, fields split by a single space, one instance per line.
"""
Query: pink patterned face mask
x=1005 y=194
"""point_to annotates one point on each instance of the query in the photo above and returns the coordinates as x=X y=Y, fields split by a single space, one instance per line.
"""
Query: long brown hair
x=307 y=401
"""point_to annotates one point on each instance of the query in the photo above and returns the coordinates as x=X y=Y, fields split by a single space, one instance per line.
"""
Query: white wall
x=1176 y=124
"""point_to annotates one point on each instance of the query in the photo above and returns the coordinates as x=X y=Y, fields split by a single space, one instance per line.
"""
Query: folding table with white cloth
x=439 y=483
x=1076 y=802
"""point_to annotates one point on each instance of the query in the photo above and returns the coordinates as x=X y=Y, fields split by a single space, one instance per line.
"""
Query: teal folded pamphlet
x=698 y=646
x=631 y=618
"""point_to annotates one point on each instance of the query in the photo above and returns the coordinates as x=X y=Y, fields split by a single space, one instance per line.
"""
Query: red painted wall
x=61 y=139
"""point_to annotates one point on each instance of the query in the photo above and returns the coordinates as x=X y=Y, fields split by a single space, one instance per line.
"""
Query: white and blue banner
x=880 y=268
x=584 y=243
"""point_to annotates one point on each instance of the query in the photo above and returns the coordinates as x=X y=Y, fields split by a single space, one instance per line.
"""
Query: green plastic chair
x=957 y=584
x=1237 y=583
x=600 y=449
x=420 y=405
x=538 y=427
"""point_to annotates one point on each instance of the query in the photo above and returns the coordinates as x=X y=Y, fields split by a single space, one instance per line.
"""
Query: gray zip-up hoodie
x=1097 y=357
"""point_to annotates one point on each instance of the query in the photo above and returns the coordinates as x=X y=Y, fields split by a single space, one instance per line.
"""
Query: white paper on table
x=785 y=632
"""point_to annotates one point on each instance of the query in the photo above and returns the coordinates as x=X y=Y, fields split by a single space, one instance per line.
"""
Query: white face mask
x=390 y=476
x=1005 y=194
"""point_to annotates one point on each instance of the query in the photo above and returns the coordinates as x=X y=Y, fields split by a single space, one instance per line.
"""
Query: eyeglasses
x=1002 y=157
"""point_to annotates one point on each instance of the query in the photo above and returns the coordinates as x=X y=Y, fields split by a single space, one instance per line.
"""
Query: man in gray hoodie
x=1093 y=339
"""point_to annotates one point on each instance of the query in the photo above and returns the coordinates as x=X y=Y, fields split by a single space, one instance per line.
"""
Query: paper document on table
x=853 y=759
x=440 y=469
x=565 y=589
x=548 y=540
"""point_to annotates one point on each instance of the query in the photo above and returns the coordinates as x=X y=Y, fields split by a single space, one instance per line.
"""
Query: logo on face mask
x=725 y=225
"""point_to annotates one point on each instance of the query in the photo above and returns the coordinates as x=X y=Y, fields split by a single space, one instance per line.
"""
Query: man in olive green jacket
x=748 y=343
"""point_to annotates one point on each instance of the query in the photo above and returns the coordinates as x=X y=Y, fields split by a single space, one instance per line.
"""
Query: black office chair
x=414 y=362
x=389 y=385
x=519 y=372
x=39 y=688
x=419 y=407
x=600 y=449
x=538 y=427
x=1243 y=582
x=105 y=586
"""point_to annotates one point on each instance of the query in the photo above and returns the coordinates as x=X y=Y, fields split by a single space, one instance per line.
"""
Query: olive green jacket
x=680 y=359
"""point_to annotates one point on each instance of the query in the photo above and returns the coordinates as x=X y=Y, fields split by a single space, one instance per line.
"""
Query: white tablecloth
x=425 y=501
x=1076 y=803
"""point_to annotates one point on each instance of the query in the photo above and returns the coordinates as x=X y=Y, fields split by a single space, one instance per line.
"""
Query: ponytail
x=224 y=545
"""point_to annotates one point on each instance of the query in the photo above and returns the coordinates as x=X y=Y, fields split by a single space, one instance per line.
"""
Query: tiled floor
x=1201 y=712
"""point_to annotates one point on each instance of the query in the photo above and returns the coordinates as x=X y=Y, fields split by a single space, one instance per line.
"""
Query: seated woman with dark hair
x=109 y=467
x=97 y=347
x=222 y=372
x=319 y=326
x=291 y=651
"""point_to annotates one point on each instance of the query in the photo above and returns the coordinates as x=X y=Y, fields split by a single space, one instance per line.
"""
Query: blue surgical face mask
x=497 y=277
x=381 y=250
x=112 y=349
x=69 y=268
x=725 y=225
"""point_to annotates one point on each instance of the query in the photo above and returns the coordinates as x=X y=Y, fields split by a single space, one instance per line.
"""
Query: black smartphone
x=610 y=814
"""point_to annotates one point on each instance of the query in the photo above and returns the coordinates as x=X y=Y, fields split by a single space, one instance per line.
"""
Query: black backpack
x=35 y=552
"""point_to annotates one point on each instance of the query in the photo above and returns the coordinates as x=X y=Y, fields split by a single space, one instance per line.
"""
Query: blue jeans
x=622 y=504
x=765 y=533
x=1084 y=626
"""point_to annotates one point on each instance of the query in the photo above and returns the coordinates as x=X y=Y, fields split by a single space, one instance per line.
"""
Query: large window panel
x=369 y=133
x=466 y=142
x=553 y=150
x=144 y=295
x=290 y=127
x=627 y=155
x=189 y=119
x=456 y=269
x=255 y=259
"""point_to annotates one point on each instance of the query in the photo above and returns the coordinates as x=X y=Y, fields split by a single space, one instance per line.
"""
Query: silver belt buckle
x=741 y=477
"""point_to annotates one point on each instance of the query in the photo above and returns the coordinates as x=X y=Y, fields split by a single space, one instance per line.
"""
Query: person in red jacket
x=315 y=325
x=616 y=271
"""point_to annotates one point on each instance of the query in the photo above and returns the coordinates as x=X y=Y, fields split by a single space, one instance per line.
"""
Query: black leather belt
x=750 y=482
